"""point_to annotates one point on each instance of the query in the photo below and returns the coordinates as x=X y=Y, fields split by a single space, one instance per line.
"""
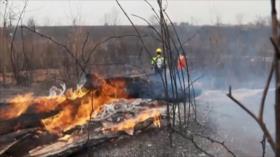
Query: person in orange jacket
x=182 y=62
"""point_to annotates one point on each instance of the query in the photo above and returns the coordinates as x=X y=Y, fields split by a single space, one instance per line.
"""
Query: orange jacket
x=182 y=62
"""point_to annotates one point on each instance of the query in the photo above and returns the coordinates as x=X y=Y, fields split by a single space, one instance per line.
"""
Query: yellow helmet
x=158 y=51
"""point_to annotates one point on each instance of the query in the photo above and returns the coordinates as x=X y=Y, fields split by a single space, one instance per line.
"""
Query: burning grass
x=105 y=108
x=106 y=105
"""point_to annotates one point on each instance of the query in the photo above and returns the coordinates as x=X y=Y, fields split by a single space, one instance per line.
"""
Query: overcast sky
x=96 y=12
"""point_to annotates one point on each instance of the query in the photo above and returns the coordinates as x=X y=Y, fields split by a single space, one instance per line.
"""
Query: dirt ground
x=154 y=143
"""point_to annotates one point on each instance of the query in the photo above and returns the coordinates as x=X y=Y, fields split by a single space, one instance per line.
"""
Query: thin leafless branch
x=149 y=24
x=191 y=138
x=263 y=143
x=216 y=141
x=153 y=9
x=265 y=91
x=12 y=54
x=136 y=30
x=259 y=122
x=84 y=45
x=104 y=41
x=67 y=50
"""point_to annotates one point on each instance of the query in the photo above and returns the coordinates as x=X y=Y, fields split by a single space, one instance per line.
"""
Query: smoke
x=57 y=91
x=153 y=88
x=230 y=55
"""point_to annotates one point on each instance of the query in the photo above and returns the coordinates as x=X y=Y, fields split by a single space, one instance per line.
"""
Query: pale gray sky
x=94 y=12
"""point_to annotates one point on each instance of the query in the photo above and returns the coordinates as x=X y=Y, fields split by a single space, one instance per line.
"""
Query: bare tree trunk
x=4 y=38
x=276 y=38
x=2 y=64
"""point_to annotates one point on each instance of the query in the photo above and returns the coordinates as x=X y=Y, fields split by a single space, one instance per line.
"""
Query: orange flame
x=128 y=125
x=20 y=104
x=76 y=107
x=78 y=112
x=156 y=121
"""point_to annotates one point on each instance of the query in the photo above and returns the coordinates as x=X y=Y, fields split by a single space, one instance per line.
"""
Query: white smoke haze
x=57 y=91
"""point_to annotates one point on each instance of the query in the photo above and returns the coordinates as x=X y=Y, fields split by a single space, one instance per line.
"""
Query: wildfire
x=156 y=121
x=84 y=105
x=77 y=107
x=20 y=104
x=128 y=125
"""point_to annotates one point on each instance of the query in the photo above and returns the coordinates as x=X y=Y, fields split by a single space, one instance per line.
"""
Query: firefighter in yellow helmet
x=158 y=61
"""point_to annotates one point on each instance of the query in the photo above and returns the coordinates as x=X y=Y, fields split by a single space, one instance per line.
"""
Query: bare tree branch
x=12 y=54
x=136 y=30
x=218 y=142
x=153 y=9
x=67 y=50
x=263 y=143
x=104 y=41
x=149 y=24
x=259 y=122
x=265 y=91
x=84 y=45
x=191 y=138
